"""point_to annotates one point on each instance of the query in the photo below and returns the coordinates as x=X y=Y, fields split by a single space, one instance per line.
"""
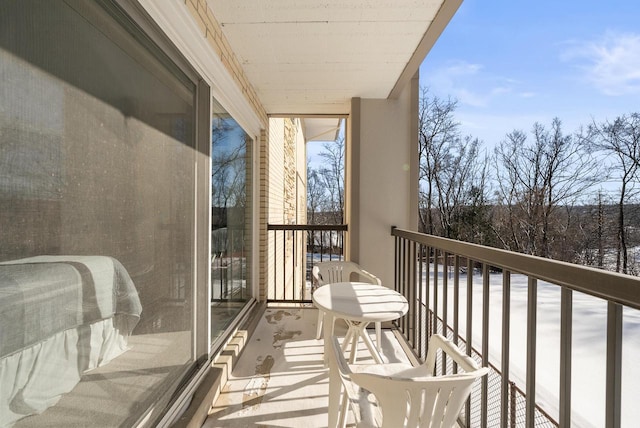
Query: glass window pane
x=230 y=219
x=96 y=219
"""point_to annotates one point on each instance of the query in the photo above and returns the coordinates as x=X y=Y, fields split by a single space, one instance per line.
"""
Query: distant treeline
x=538 y=192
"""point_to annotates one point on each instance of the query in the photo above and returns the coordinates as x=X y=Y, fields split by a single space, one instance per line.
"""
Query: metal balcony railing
x=295 y=249
x=450 y=286
x=483 y=296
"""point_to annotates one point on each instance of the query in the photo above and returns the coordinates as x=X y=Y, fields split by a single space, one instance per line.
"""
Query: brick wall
x=290 y=196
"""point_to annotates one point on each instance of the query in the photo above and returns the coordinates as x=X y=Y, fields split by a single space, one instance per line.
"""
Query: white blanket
x=60 y=316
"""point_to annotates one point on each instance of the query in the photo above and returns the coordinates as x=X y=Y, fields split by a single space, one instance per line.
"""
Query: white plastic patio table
x=359 y=304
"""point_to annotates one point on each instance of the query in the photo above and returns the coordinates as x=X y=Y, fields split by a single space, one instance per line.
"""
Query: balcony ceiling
x=312 y=57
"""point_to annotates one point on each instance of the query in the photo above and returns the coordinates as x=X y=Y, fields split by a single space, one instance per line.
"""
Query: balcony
x=280 y=378
x=583 y=323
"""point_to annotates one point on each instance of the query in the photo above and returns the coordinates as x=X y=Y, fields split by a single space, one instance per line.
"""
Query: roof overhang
x=321 y=128
x=313 y=57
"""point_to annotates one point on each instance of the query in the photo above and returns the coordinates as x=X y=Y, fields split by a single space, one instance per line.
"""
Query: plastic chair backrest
x=342 y=271
x=426 y=401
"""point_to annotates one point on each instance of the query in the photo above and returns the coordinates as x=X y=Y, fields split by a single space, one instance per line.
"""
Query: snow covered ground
x=589 y=345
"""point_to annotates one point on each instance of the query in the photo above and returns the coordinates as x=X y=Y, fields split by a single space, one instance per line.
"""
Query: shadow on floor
x=280 y=379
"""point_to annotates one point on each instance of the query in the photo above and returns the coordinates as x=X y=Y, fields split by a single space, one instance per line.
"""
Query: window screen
x=96 y=218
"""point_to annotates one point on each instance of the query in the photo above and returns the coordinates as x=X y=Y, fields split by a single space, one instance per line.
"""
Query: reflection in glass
x=97 y=234
x=230 y=219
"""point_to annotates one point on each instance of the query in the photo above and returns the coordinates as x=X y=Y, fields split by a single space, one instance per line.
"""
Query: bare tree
x=474 y=216
x=459 y=184
x=333 y=176
x=316 y=195
x=453 y=175
x=620 y=140
x=534 y=180
x=437 y=130
x=228 y=158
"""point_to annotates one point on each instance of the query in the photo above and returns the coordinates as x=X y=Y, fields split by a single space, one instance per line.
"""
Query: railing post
x=427 y=294
x=505 y=355
x=566 y=312
x=411 y=293
x=513 y=404
x=485 y=345
x=532 y=307
x=435 y=290
x=456 y=303
x=469 y=338
x=403 y=286
x=614 y=365
x=421 y=313
x=445 y=304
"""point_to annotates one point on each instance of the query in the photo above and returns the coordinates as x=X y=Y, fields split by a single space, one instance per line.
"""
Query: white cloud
x=475 y=99
x=611 y=64
x=469 y=83
x=463 y=69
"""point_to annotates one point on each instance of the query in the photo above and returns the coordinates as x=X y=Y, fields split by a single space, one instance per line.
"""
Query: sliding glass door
x=97 y=218
x=231 y=219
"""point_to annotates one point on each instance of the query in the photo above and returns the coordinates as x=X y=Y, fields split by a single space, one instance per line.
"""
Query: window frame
x=131 y=15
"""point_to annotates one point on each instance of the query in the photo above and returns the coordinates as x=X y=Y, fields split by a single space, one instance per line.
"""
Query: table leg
x=347 y=338
x=362 y=332
x=355 y=337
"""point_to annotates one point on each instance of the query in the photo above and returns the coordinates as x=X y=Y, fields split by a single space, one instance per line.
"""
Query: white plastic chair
x=407 y=396
x=341 y=271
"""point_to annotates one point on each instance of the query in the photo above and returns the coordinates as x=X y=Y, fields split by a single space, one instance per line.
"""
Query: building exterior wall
x=286 y=195
x=276 y=201
x=263 y=217
x=299 y=196
x=289 y=171
x=276 y=173
x=301 y=174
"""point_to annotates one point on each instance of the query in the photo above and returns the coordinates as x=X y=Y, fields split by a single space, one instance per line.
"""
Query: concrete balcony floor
x=280 y=379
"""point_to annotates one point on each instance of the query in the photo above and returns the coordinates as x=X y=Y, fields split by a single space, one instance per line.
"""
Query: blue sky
x=512 y=63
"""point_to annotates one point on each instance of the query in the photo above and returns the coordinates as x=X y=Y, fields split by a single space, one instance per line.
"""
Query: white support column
x=382 y=177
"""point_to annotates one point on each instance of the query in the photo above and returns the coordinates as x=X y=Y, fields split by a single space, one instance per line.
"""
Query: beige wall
x=287 y=155
x=383 y=179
